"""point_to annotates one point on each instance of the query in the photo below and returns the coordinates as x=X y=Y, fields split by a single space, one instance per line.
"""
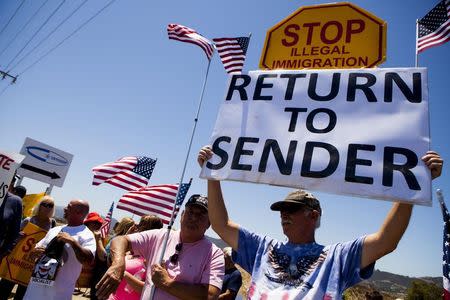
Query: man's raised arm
x=217 y=212
x=377 y=245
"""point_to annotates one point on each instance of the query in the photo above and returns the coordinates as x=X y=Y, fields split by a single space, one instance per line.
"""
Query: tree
x=421 y=290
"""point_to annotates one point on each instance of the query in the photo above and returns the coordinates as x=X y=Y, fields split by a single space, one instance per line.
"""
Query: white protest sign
x=9 y=162
x=355 y=132
x=44 y=163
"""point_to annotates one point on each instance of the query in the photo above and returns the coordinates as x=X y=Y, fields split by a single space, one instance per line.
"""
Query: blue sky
x=121 y=87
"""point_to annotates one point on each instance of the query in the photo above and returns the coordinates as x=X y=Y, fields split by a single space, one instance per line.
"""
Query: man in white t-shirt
x=79 y=248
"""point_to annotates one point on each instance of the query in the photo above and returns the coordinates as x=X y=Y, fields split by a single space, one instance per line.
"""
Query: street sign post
x=327 y=36
x=44 y=163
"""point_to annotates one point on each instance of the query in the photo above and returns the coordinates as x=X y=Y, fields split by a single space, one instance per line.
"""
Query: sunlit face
x=46 y=208
x=296 y=219
x=73 y=211
x=93 y=226
x=195 y=219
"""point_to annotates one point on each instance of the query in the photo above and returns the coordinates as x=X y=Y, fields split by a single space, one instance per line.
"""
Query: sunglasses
x=48 y=205
x=174 y=258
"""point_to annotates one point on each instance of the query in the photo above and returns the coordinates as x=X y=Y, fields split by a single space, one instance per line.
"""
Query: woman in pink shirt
x=131 y=286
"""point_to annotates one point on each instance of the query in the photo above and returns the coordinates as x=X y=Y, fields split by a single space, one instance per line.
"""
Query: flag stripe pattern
x=434 y=27
x=104 y=230
x=129 y=173
x=188 y=35
x=154 y=200
x=446 y=250
x=232 y=52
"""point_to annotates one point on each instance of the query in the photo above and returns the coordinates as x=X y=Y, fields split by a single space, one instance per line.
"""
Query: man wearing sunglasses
x=192 y=267
x=78 y=245
x=300 y=268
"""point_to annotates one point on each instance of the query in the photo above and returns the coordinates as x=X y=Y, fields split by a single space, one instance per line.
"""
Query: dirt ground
x=83 y=294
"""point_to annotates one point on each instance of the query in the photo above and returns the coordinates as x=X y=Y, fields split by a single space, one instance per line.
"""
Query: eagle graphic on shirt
x=289 y=271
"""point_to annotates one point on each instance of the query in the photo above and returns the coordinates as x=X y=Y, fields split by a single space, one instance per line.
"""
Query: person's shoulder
x=13 y=198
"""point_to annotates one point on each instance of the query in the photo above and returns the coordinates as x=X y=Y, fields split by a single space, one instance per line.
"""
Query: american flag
x=434 y=28
x=154 y=200
x=129 y=173
x=189 y=35
x=445 y=247
x=232 y=52
x=104 y=230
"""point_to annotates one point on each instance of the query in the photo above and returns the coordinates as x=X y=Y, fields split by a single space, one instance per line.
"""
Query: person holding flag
x=301 y=268
x=192 y=267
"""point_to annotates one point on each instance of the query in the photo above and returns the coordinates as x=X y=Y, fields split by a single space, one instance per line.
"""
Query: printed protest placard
x=9 y=162
x=355 y=132
x=19 y=264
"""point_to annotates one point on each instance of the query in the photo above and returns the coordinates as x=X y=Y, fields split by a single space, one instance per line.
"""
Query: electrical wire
x=68 y=37
x=50 y=34
x=23 y=28
x=12 y=17
x=36 y=32
x=6 y=87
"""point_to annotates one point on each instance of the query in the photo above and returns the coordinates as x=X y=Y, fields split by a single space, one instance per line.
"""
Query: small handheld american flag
x=104 y=230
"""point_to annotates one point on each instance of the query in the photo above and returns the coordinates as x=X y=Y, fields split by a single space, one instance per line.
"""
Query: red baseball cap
x=93 y=217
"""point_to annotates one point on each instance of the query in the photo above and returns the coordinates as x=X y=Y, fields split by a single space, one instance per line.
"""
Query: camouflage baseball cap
x=298 y=198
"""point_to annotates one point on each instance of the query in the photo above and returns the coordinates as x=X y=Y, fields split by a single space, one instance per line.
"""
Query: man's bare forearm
x=83 y=255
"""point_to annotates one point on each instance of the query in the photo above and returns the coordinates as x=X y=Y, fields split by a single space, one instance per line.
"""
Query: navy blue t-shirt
x=232 y=280
x=10 y=218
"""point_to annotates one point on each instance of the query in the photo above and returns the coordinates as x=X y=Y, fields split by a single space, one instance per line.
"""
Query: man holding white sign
x=301 y=268
x=355 y=132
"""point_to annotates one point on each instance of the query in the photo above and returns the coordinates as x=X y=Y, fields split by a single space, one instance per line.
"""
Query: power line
x=68 y=37
x=6 y=87
x=23 y=28
x=12 y=17
x=36 y=32
x=50 y=34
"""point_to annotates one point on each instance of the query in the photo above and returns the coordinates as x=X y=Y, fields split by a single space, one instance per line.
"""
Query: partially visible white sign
x=355 y=132
x=44 y=163
x=9 y=162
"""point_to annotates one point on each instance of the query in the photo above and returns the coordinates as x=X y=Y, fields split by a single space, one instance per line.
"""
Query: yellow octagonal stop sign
x=328 y=36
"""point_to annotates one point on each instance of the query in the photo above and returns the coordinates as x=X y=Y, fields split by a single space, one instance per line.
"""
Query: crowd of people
x=145 y=260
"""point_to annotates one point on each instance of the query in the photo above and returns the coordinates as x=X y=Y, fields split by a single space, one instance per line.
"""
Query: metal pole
x=417 y=41
x=19 y=182
x=48 y=191
x=440 y=196
x=169 y=227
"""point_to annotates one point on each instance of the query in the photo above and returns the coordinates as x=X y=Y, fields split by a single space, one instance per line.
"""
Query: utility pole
x=6 y=74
